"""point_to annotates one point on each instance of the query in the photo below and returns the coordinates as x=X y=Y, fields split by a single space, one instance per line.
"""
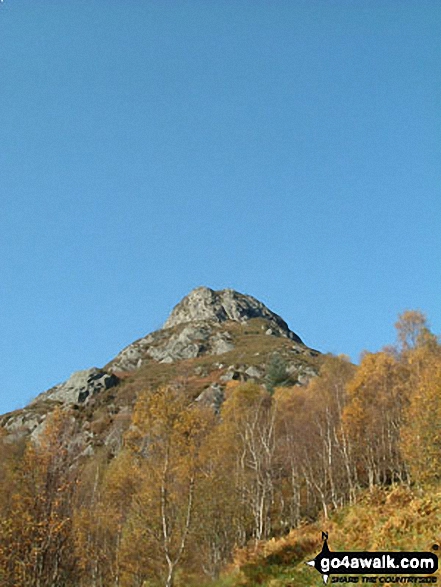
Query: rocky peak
x=205 y=304
x=205 y=323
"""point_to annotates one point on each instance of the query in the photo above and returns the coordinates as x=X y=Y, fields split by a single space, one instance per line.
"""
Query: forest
x=191 y=490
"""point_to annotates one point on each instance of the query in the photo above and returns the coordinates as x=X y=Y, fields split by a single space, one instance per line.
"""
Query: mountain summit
x=205 y=304
x=210 y=338
x=203 y=323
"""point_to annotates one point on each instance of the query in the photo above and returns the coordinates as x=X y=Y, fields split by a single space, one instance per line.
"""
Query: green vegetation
x=277 y=374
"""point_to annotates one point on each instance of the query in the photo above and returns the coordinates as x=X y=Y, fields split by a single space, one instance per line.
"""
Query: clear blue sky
x=290 y=149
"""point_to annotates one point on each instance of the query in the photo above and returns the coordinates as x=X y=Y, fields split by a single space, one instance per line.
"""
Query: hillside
x=210 y=338
x=387 y=520
x=215 y=450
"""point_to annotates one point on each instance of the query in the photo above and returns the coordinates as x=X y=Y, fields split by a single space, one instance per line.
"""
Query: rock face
x=80 y=386
x=194 y=328
x=212 y=397
x=165 y=346
x=208 y=305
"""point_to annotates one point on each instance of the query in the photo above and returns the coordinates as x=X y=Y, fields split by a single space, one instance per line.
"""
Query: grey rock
x=80 y=386
x=23 y=420
x=220 y=344
x=206 y=304
x=188 y=341
x=212 y=397
x=188 y=344
x=194 y=328
x=134 y=355
x=254 y=372
x=232 y=374
x=303 y=379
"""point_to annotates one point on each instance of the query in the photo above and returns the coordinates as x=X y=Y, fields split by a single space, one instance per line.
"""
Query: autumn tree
x=36 y=536
x=292 y=433
x=9 y=496
x=378 y=395
x=313 y=452
x=166 y=437
x=219 y=522
x=333 y=475
x=103 y=501
x=421 y=429
x=248 y=428
x=412 y=330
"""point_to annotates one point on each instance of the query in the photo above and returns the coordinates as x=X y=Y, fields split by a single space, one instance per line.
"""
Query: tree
x=36 y=536
x=219 y=521
x=168 y=432
x=412 y=330
x=103 y=502
x=373 y=417
x=421 y=430
x=292 y=434
x=333 y=476
x=276 y=373
x=248 y=429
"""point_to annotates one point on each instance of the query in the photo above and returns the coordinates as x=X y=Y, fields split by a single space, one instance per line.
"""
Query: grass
x=394 y=519
x=251 y=348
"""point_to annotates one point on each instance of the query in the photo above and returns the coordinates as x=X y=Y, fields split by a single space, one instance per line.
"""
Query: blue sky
x=289 y=149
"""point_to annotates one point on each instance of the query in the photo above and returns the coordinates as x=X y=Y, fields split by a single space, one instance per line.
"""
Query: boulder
x=80 y=386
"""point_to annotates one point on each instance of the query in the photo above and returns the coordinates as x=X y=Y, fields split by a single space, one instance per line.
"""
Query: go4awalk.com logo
x=389 y=564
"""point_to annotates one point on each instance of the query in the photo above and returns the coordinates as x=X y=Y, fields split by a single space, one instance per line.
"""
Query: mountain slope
x=210 y=338
x=387 y=520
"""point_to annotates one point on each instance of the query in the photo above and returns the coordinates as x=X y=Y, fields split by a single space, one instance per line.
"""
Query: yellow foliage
x=421 y=432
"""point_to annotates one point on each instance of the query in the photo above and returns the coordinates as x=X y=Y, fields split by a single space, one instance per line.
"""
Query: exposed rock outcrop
x=208 y=305
x=80 y=386
x=166 y=346
x=212 y=397
x=194 y=328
